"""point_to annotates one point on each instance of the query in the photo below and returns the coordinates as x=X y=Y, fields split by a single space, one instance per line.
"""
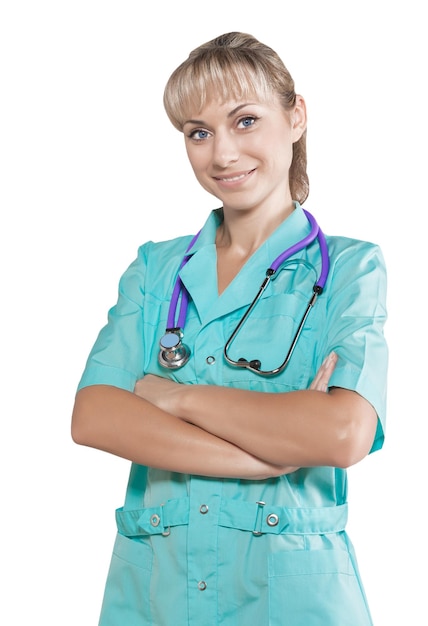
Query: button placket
x=202 y=571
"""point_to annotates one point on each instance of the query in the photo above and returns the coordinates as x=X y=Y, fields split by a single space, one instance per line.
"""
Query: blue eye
x=247 y=121
x=199 y=134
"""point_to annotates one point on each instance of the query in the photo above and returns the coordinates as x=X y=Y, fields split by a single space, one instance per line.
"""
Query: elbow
x=80 y=420
x=347 y=453
x=353 y=429
x=354 y=441
x=77 y=434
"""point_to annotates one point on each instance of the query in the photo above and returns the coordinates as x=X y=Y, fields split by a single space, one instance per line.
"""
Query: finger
x=323 y=375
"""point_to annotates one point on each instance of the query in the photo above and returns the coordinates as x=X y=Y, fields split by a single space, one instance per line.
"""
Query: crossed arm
x=224 y=432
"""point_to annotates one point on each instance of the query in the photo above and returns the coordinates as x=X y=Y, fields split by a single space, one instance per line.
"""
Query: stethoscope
x=174 y=353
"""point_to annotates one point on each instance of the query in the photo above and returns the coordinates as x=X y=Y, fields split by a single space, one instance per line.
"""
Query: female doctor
x=240 y=414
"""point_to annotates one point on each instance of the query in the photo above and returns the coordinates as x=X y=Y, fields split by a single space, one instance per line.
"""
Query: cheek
x=283 y=155
x=199 y=159
x=200 y=170
x=271 y=148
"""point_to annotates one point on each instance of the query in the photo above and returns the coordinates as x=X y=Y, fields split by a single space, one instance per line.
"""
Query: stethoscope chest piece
x=173 y=353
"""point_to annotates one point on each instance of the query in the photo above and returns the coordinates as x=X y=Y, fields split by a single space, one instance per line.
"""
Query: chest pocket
x=268 y=333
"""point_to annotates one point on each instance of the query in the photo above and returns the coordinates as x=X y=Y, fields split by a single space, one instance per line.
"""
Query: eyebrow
x=231 y=114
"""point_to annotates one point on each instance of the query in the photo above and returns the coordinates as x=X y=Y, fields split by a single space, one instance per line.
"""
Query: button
x=155 y=520
x=210 y=360
x=272 y=519
x=202 y=585
x=203 y=509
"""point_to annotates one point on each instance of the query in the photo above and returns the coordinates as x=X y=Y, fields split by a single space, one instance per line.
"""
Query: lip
x=234 y=179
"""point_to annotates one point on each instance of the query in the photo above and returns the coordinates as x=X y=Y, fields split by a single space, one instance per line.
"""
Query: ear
x=298 y=119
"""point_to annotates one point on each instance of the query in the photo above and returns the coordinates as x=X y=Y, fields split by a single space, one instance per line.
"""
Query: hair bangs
x=192 y=86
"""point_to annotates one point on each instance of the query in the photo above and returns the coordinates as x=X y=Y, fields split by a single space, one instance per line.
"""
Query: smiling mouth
x=232 y=179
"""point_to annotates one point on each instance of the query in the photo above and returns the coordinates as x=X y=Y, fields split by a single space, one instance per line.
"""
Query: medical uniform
x=196 y=551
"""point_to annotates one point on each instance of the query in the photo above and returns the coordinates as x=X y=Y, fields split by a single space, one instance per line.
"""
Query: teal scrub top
x=200 y=551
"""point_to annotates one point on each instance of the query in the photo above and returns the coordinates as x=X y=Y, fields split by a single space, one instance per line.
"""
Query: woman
x=235 y=510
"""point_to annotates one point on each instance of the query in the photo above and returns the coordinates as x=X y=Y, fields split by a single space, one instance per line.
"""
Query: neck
x=244 y=232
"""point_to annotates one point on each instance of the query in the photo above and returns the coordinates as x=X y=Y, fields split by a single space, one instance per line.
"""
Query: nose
x=225 y=151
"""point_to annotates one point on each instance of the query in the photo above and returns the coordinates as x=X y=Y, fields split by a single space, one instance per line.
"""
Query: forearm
x=119 y=422
x=302 y=428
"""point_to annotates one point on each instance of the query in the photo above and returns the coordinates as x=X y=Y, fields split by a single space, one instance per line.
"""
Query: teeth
x=233 y=178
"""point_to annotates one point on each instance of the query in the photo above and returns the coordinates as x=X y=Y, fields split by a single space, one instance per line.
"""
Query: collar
x=199 y=275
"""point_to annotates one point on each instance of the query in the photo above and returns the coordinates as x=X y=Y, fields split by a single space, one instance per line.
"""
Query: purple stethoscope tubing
x=179 y=288
x=315 y=233
x=180 y=293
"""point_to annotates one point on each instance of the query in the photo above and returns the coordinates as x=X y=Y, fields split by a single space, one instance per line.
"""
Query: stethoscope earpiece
x=173 y=353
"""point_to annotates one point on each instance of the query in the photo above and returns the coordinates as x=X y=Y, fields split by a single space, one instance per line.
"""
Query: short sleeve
x=355 y=330
x=117 y=356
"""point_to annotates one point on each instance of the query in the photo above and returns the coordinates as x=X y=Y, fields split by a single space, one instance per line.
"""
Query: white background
x=91 y=168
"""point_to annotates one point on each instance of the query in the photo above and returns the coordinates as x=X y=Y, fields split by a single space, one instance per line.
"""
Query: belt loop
x=259 y=518
x=166 y=527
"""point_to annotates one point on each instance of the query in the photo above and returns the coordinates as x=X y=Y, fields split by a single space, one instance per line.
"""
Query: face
x=241 y=152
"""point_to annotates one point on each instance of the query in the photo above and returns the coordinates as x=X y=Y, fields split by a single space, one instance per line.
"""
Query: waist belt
x=256 y=517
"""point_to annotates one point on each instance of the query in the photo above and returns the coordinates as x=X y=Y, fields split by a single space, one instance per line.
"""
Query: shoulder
x=151 y=258
x=174 y=250
x=346 y=251
x=157 y=255
x=164 y=249
x=345 y=245
x=357 y=268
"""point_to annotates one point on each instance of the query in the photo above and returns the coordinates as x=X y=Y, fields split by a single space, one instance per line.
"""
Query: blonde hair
x=235 y=65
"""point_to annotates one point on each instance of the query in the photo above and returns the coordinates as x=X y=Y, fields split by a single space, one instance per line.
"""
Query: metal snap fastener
x=210 y=360
x=155 y=520
x=272 y=519
x=203 y=509
x=202 y=585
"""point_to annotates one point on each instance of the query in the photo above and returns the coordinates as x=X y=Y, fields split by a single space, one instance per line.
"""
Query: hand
x=322 y=377
x=162 y=392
